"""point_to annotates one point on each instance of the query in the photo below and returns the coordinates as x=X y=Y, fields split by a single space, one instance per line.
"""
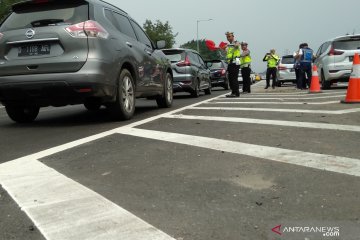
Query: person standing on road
x=297 y=67
x=233 y=59
x=245 y=66
x=306 y=56
x=272 y=61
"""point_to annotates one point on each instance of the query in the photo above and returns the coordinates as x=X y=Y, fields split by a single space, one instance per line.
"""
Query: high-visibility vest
x=232 y=53
x=245 y=60
x=272 y=60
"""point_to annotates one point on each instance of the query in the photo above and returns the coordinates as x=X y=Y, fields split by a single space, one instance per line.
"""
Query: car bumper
x=58 y=89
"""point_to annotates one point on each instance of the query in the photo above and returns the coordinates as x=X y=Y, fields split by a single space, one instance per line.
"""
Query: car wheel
x=324 y=84
x=226 y=86
x=92 y=105
x=278 y=83
x=22 y=114
x=166 y=100
x=208 y=90
x=124 y=106
x=196 y=92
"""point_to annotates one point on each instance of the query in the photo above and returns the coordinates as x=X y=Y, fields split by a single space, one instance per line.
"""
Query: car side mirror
x=160 y=44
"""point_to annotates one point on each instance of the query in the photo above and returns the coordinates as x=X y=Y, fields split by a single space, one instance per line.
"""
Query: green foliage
x=205 y=53
x=160 y=31
x=5 y=6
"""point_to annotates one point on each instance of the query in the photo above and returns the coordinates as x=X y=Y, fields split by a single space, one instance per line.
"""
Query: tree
x=160 y=31
x=205 y=53
x=5 y=6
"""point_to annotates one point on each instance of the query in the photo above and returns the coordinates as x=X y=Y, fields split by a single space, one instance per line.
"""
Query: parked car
x=189 y=71
x=285 y=70
x=218 y=73
x=334 y=59
x=56 y=53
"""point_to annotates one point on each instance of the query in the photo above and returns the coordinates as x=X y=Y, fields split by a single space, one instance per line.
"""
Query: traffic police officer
x=233 y=59
x=245 y=61
x=272 y=61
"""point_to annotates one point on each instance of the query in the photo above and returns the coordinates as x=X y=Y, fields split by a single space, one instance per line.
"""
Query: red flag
x=211 y=45
x=223 y=45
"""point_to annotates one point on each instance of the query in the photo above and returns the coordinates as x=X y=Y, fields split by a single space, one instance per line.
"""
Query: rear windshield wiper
x=47 y=22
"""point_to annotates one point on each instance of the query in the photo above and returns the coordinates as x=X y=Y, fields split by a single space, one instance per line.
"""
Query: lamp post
x=197 y=31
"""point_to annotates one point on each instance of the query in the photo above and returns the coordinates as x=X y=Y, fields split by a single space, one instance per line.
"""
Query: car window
x=142 y=37
x=200 y=60
x=347 y=45
x=216 y=65
x=287 y=60
x=124 y=26
x=174 y=56
x=324 y=47
x=193 y=58
x=47 y=14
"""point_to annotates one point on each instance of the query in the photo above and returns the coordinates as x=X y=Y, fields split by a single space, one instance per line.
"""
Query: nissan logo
x=30 y=33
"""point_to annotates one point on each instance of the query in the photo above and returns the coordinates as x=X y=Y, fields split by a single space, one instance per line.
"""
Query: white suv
x=334 y=59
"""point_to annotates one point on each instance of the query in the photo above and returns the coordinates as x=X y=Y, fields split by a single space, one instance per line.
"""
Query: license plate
x=292 y=70
x=34 y=50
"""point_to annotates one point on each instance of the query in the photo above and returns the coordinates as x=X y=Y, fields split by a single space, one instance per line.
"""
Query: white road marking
x=315 y=125
x=333 y=112
x=274 y=103
x=287 y=98
x=349 y=166
x=64 y=209
x=293 y=94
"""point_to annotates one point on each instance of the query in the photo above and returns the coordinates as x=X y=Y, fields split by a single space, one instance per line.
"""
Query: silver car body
x=286 y=71
x=334 y=59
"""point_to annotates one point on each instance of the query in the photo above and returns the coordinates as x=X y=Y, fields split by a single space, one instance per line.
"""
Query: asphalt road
x=209 y=168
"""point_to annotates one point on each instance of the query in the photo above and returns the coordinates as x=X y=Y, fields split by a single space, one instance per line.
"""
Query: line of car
x=333 y=60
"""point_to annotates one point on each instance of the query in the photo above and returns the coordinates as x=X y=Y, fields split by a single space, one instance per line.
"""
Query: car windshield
x=216 y=65
x=287 y=60
x=347 y=45
x=29 y=15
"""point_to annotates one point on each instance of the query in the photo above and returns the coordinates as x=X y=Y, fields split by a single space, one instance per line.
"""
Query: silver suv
x=334 y=59
x=56 y=53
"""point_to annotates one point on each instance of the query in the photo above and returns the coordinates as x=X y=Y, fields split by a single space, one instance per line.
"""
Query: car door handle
x=129 y=44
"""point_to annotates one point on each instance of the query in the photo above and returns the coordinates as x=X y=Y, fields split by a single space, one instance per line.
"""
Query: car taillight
x=87 y=29
x=334 y=52
x=223 y=71
x=280 y=67
x=184 y=63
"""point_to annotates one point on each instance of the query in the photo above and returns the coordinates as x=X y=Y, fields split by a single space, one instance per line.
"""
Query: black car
x=189 y=70
x=56 y=53
x=218 y=73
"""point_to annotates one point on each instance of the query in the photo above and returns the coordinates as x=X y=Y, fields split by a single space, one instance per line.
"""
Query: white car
x=285 y=70
x=252 y=77
x=334 y=59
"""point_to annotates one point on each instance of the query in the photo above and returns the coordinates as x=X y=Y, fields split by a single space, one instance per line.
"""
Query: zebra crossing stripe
x=344 y=165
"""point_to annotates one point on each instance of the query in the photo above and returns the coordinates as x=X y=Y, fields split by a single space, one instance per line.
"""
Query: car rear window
x=30 y=15
x=216 y=65
x=287 y=60
x=174 y=56
x=347 y=45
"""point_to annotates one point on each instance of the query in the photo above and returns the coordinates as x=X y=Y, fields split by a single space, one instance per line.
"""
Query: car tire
x=324 y=84
x=278 y=83
x=166 y=100
x=21 y=114
x=124 y=106
x=226 y=84
x=196 y=92
x=208 y=90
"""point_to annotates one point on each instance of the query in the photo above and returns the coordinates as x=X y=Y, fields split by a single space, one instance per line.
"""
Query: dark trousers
x=298 y=80
x=271 y=72
x=305 y=77
x=233 y=71
x=245 y=72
